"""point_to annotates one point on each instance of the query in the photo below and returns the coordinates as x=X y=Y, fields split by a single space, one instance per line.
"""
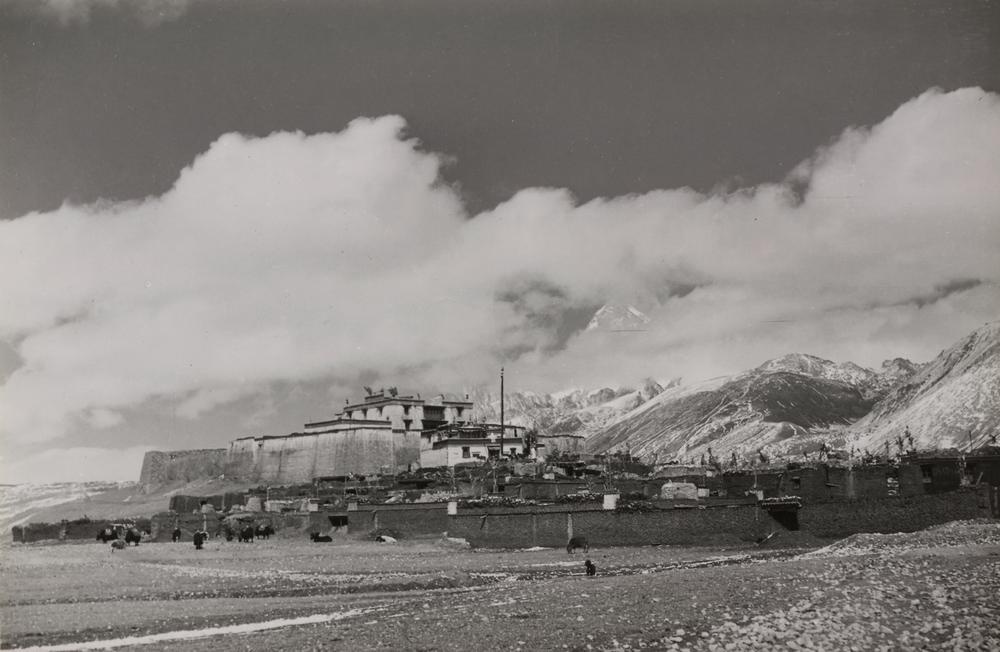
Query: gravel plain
x=935 y=590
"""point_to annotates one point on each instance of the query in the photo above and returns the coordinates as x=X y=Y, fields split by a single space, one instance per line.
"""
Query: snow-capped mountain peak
x=614 y=317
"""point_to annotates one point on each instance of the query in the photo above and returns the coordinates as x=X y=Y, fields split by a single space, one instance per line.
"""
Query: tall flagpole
x=501 y=412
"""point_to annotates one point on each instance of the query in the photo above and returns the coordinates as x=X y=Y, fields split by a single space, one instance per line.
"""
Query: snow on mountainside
x=573 y=411
x=19 y=503
x=810 y=365
x=744 y=412
x=872 y=384
x=954 y=396
x=613 y=317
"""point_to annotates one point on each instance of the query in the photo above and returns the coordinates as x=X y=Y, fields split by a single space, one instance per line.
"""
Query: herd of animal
x=122 y=536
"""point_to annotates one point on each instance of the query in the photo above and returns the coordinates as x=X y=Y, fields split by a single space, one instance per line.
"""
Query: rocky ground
x=935 y=589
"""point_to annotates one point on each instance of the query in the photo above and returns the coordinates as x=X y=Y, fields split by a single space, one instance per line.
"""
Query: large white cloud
x=294 y=257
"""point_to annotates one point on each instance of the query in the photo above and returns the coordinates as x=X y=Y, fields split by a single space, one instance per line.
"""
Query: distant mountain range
x=785 y=405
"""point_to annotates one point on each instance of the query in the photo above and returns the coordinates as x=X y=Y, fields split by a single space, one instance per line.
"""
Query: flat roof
x=482 y=441
x=348 y=420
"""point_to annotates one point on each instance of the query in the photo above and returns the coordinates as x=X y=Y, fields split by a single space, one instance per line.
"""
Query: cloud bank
x=342 y=256
x=75 y=12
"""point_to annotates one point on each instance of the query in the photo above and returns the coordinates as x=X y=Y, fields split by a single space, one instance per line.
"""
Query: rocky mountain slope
x=742 y=413
x=568 y=412
x=22 y=503
x=954 y=401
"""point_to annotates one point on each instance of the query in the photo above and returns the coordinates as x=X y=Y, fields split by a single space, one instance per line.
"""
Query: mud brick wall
x=161 y=467
x=522 y=529
x=670 y=527
x=891 y=514
x=165 y=522
x=944 y=477
x=408 y=521
x=36 y=532
x=162 y=525
x=871 y=481
x=773 y=483
x=221 y=502
x=816 y=484
x=984 y=469
x=910 y=481
x=68 y=531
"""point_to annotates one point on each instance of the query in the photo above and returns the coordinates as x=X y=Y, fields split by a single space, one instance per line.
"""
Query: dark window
x=466 y=451
x=927 y=473
x=796 y=483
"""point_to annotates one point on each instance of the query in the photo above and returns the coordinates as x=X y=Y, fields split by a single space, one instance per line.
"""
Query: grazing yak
x=107 y=534
x=318 y=538
x=246 y=534
x=133 y=536
x=175 y=536
x=200 y=537
x=117 y=544
x=577 y=542
x=264 y=531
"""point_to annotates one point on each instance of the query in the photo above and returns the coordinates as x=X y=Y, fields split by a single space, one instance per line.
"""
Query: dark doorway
x=788 y=518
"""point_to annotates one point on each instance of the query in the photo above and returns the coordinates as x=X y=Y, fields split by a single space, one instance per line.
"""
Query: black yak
x=117 y=544
x=133 y=535
x=264 y=531
x=199 y=539
x=577 y=542
x=175 y=536
x=107 y=534
x=318 y=538
x=591 y=569
x=246 y=534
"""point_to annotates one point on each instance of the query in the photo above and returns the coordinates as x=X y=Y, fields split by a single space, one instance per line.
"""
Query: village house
x=459 y=443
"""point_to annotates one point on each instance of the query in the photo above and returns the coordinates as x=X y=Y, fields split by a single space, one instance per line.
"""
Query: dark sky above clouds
x=200 y=239
x=601 y=98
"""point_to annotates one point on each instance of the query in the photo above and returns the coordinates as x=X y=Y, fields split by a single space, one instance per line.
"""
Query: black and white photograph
x=475 y=325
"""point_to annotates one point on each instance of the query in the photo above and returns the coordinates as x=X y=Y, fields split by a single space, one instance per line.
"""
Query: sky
x=221 y=219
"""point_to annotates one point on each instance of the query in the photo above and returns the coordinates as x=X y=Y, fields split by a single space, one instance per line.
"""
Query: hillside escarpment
x=165 y=467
